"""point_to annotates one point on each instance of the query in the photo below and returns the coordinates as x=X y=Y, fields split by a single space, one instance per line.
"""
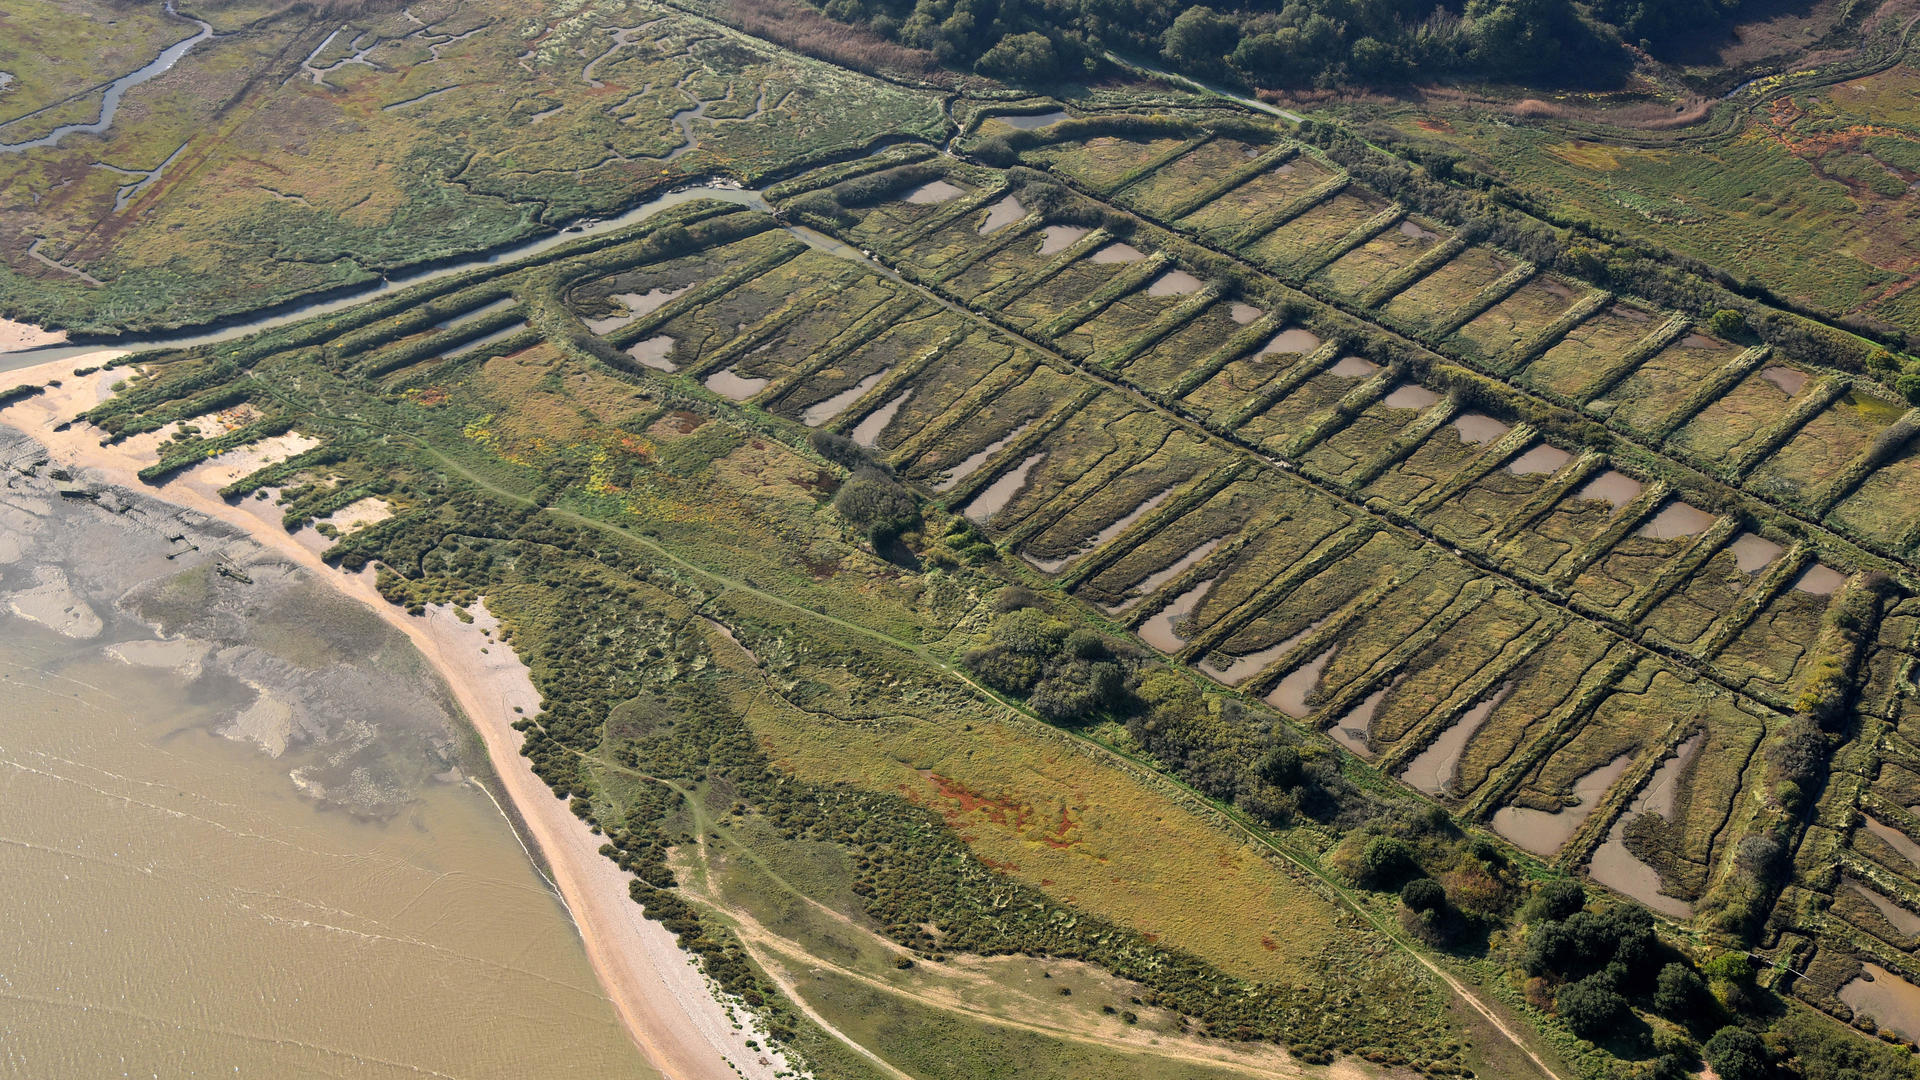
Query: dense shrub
x=1423 y=894
x=877 y=505
x=1680 y=993
x=1737 y=1054
x=1592 y=1008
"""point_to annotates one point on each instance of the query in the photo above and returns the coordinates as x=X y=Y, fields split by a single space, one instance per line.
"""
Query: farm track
x=1134 y=765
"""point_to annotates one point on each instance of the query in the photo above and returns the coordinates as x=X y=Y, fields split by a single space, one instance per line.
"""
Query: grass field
x=295 y=164
x=1515 y=542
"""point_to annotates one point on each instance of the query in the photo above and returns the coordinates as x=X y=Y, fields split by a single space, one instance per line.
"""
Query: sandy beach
x=661 y=996
x=18 y=335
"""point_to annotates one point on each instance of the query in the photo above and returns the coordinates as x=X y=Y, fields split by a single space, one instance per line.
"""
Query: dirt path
x=660 y=995
x=88 y=450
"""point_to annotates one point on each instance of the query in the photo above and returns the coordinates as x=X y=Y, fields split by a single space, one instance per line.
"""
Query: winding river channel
x=13 y=361
x=110 y=101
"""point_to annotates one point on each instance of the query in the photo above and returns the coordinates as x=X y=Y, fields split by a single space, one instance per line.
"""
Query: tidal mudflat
x=243 y=830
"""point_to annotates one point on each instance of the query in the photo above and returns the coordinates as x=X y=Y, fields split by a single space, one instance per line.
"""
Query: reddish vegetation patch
x=1269 y=944
x=807 y=31
x=968 y=807
x=1433 y=123
x=686 y=422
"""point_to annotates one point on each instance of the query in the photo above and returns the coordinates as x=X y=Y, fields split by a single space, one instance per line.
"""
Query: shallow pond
x=1543 y=832
x=1677 y=520
x=1893 y=1002
x=995 y=497
x=1291 y=695
x=867 y=432
x=1159 y=632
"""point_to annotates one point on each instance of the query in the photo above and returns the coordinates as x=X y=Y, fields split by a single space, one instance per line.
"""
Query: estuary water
x=237 y=832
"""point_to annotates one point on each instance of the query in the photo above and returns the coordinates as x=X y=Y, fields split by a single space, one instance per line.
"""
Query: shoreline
x=661 y=997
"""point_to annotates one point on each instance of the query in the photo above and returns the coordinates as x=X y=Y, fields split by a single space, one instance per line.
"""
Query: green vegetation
x=1092 y=582
x=349 y=180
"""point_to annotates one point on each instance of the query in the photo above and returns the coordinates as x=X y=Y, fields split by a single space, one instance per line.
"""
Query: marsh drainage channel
x=110 y=101
x=711 y=189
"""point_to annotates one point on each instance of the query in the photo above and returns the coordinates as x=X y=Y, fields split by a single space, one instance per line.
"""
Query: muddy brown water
x=1104 y=536
x=867 y=432
x=729 y=383
x=935 y=192
x=1543 y=832
x=1355 y=730
x=1002 y=214
x=1905 y=921
x=1408 y=228
x=1701 y=341
x=1479 y=428
x=1353 y=367
x=1294 y=339
x=1291 y=695
x=1790 y=380
x=1152 y=582
x=1119 y=253
x=1613 y=486
x=1057 y=238
x=1618 y=868
x=1159 y=632
x=1820 y=580
x=235 y=841
x=1411 y=396
x=973 y=462
x=1174 y=283
x=1542 y=459
x=1434 y=768
x=822 y=411
x=1035 y=120
x=1242 y=668
x=1895 y=839
x=1243 y=313
x=636 y=305
x=1753 y=552
x=1677 y=520
x=653 y=353
x=1893 y=1002
x=995 y=497
x=473 y=314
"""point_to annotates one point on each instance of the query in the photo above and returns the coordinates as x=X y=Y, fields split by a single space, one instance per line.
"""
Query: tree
x=1029 y=631
x=1555 y=901
x=877 y=505
x=1737 y=1054
x=1679 y=992
x=1384 y=862
x=1003 y=669
x=1200 y=38
x=1524 y=38
x=1591 y=1007
x=1423 y=894
x=1280 y=767
x=1025 y=57
x=1727 y=322
x=1075 y=689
